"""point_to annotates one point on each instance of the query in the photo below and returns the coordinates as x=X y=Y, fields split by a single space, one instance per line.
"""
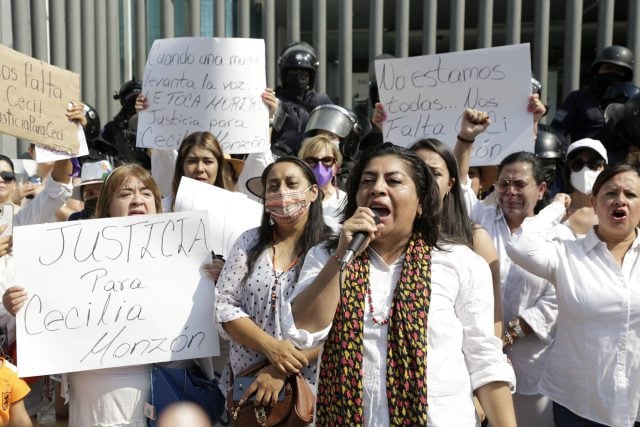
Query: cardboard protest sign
x=230 y=213
x=34 y=97
x=114 y=292
x=44 y=154
x=425 y=96
x=205 y=84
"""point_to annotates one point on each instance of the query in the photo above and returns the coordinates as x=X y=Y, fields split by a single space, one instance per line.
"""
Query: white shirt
x=594 y=366
x=523 y=295
x=42 y=209
x=332 y=207
x=463 y=352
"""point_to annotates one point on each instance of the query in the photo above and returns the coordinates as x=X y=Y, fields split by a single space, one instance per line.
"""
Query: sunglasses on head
x=576 y=165
x=7 y=176
x=327 y=161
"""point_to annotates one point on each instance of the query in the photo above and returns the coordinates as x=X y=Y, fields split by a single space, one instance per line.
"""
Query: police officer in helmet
x=580 y=115
x=121 y=131
x=298 y=65
x=549 y=148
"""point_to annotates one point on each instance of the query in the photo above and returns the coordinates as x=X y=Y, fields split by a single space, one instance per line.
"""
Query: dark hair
x=537 y=170
x=315 y=230
x=8 y=160
x=454 y=219
x=426 y=187
x=610 y=171
x=209 y=142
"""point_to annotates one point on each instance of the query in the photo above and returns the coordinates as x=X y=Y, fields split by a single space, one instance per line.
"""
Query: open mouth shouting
x=381 y=209
x=618 y=215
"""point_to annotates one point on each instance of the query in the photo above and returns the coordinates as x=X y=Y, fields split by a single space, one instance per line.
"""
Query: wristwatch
x=514 y=325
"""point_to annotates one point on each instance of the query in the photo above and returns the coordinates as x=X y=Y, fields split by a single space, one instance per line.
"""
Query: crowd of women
x=452 y=309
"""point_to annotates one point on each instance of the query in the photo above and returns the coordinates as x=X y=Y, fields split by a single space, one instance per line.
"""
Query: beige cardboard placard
x=34 y=97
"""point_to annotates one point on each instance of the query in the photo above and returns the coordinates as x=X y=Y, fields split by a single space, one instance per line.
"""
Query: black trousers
x=565 y=418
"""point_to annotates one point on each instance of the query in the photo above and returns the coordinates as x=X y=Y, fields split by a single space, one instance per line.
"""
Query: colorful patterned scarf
x=340 y=386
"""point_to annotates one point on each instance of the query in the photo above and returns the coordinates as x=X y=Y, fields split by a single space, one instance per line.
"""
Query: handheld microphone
x=355 y=244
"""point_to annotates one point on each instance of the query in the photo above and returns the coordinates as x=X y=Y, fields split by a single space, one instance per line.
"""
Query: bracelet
x=466 y=141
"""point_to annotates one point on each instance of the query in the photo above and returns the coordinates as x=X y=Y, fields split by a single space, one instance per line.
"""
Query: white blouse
x=594 y=366
x=523 y=295
x=463 y=352
x=237 y=298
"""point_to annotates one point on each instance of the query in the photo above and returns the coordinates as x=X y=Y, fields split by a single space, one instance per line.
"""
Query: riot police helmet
x=299 y=55
x=616 y=55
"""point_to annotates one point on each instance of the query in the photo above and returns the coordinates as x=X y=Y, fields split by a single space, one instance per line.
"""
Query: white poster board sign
x=230 y=213
x=114 y=292
x=205 y=84
x=425 y=96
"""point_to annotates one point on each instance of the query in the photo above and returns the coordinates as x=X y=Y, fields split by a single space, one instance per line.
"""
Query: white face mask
x=583 y=180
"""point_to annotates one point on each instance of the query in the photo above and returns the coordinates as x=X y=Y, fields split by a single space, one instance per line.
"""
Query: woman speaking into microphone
x=407 y=327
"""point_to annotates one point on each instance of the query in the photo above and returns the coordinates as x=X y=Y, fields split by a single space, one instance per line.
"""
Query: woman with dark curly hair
x=407 y=328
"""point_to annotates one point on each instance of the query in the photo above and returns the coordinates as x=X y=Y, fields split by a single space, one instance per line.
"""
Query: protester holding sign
x=528 y=302
x=116 y=396
x=261 y=274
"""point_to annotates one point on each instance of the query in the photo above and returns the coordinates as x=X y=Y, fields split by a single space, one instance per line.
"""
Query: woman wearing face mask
x=324 y=159
x=261 y=274
x=586 y=158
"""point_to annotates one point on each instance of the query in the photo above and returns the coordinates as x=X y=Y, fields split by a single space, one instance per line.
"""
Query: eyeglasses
x=576 y=165
x=7 y=176
x=327 y=161
x=518 y=184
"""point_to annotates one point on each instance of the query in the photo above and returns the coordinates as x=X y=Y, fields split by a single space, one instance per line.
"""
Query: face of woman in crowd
x=324 y=166
x=584 y=167
x=200 y=164
x=518 y=192
x=133 y=198
x=617 y=206
x=438 y=169
x=288 y=193
x=387 y=187
x=7 y=184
